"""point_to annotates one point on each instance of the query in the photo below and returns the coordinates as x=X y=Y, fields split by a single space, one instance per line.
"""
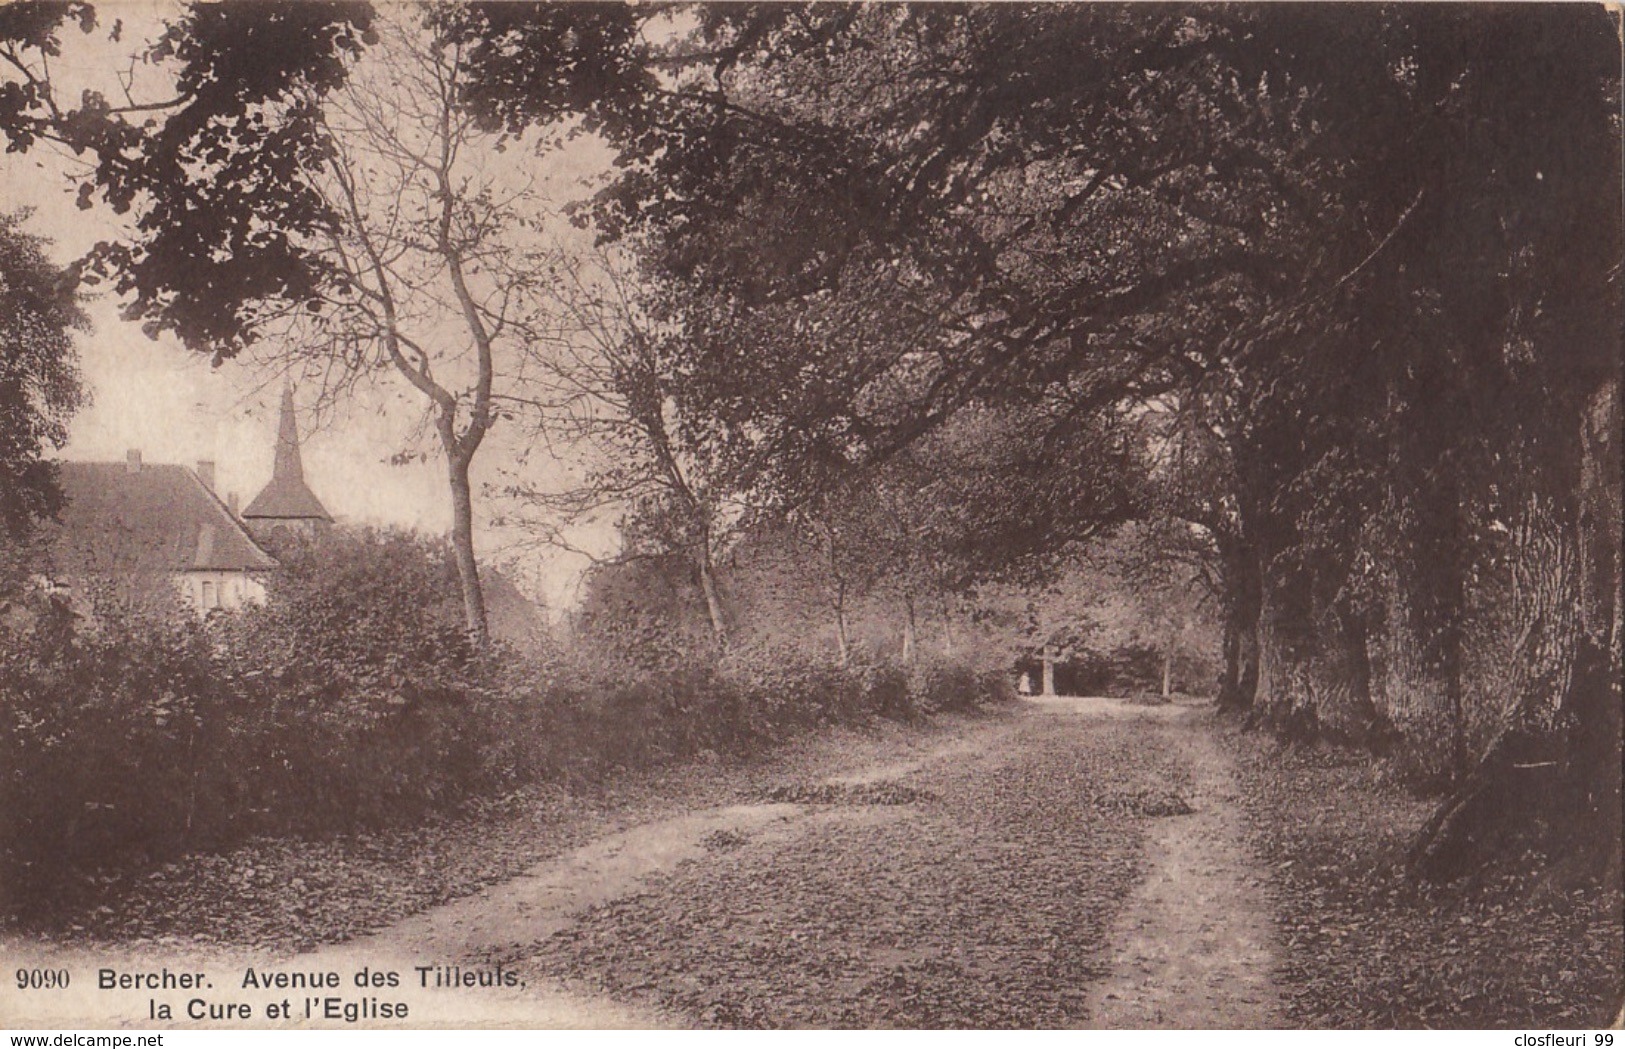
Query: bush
x=99 y=735
x=353 y=700
x=944 y=686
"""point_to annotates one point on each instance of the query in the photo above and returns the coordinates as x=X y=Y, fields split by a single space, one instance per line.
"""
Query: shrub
x=100 y=739
x=943 y=686
x=352 y=700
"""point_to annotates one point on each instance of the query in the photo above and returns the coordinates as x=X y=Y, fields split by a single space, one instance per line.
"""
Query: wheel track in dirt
x=1195 y=940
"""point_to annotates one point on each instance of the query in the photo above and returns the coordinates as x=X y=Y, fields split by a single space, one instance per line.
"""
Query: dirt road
x=1077 y=864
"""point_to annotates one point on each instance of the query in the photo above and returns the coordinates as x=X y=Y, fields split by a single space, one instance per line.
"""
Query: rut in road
x=1195 y=940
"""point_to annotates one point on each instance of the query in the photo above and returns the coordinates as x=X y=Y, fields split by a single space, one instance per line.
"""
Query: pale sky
x=171 y=404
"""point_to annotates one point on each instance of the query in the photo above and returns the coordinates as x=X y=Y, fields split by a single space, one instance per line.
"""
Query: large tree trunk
x=1243 y=605
x=1574 y=778
x=462 y=544
x=1596 y=704
x=1449 y=603
x=1494 y=797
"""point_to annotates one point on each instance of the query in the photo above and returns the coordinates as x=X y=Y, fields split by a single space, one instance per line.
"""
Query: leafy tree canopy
x=39 y=376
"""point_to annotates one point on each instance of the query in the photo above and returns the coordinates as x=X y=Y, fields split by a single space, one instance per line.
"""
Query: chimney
x=132 y=461
x=205 y=473
x=231 y=503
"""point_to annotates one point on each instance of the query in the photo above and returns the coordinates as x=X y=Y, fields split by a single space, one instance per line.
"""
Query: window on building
x=211 y=596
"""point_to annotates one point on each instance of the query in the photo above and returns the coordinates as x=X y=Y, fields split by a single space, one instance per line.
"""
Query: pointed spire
x=287 y=497
x=288 y=464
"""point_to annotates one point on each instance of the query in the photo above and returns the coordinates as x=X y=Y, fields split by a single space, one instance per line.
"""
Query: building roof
x=124 y=517
x=287 y=496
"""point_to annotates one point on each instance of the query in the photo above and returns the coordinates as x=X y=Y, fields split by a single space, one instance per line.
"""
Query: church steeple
x=288 y=462
x=286 y=502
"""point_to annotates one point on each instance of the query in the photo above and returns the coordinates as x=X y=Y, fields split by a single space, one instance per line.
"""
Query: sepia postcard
x=993 y=516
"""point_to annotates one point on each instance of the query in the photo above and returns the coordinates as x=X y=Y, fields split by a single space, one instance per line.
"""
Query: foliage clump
x=353 y=699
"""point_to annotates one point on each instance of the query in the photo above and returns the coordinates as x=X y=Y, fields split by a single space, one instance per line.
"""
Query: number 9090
x=41 y=979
